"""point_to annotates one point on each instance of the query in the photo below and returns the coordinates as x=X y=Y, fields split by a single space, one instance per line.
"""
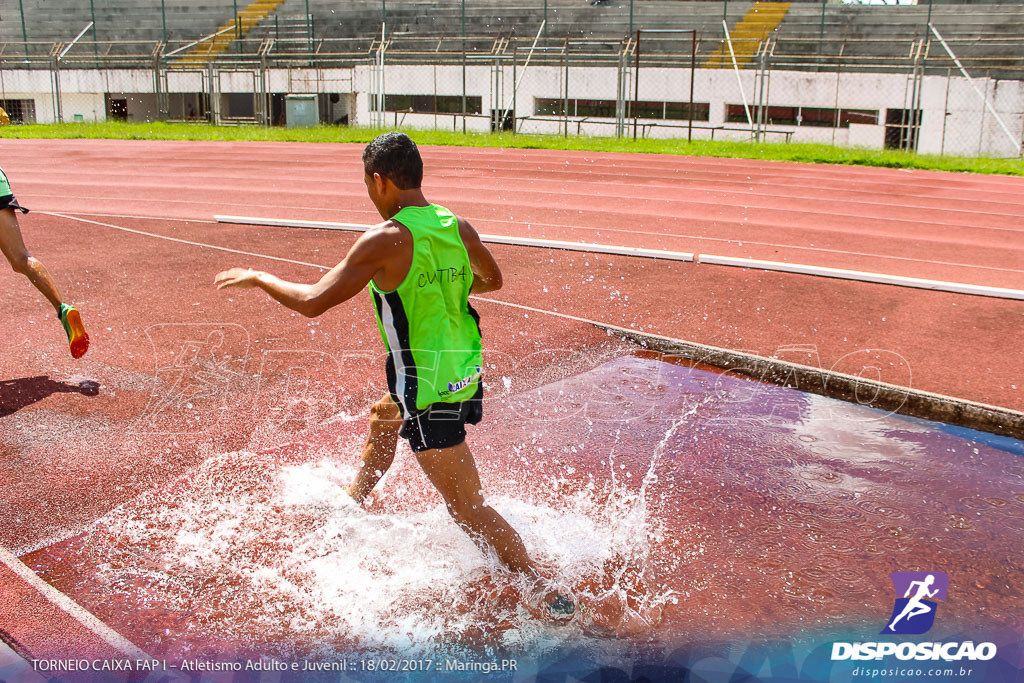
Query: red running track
x=944 y=226
x=955 y=227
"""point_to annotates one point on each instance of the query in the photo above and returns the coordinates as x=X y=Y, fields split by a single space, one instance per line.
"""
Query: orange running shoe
x=78 y=340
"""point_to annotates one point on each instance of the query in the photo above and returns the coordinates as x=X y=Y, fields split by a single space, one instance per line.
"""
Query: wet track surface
x=679 y=503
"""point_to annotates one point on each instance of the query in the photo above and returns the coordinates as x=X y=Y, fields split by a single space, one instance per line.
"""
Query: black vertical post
x=821 y=35
x=309 y=30
x=24 y=32
x=463 y=67
x=95 y=49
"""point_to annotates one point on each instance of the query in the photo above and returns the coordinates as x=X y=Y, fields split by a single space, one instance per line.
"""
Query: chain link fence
x=719 y=72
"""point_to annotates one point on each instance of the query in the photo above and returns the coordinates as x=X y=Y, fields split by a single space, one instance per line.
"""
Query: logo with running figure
x=916 y=596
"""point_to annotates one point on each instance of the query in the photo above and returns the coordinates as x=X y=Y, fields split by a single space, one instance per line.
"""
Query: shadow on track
x=16 y=394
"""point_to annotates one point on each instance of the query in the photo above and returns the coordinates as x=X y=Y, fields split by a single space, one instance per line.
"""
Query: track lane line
x=558 y=226
x=757 y=264
x=611 y=328
x=201 y=245
x=504 y=239
x=85 y=618
x=698 y=207
x=926 y=202
x=821 y=271
x=496 y=239
x=982 y=416
x=329 y=225
x=769 y=172
x=142 y=218
x=734 y=240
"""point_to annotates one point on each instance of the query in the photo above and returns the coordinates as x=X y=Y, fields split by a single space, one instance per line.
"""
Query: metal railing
x=778 y=109
x=1001 y=56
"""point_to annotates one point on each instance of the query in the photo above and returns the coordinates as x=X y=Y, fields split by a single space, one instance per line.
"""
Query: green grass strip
x=773 y=151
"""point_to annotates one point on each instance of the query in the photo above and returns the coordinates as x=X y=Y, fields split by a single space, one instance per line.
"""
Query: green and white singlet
x=431 y=332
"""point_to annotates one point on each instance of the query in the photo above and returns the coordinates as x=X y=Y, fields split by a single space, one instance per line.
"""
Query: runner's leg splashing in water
x=453 y=473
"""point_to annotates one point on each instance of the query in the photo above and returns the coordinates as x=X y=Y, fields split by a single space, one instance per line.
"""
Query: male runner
x=13 y=247
x=420 y=264
x=915 y=606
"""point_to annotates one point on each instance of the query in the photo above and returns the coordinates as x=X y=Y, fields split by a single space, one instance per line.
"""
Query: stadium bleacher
x=116 y=20
x=988 y=36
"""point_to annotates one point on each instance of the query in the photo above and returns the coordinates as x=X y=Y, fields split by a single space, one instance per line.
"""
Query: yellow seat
x=747 y=35
x=247 y=18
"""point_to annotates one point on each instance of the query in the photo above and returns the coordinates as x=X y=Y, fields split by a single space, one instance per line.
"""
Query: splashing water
x=627 y=603
x=269 y=553
x=258 y=552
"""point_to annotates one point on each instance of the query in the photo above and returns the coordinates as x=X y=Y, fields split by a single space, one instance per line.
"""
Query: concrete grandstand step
x=61 y=20
x=883 y=31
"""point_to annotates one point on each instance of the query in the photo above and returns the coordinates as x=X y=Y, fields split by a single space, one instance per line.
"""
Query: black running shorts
x=442 y=425
x=9 y=202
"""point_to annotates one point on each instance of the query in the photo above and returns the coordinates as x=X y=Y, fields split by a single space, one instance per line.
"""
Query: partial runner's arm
x=486 y=273
x=365 y=259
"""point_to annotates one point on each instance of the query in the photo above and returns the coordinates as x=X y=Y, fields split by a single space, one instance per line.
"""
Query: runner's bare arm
x=486 y=273
x=364 y=260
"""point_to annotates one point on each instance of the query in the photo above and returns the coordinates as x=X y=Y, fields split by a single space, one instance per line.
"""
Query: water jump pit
x=710 y=525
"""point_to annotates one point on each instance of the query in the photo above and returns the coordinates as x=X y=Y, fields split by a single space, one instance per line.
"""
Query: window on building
x=821 y=117
x=20 y=111
x=117 y=108
x=681 y=111
x=548 y=107
x=604 y=109
x=433 y=104
x=848 y=116
x=670 y=111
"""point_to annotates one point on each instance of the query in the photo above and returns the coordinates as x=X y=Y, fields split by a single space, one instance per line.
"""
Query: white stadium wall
x=954 y=119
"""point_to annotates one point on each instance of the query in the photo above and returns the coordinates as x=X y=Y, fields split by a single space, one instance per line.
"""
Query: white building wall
x=954 y=119
x=1007 y=98
x=186 y=81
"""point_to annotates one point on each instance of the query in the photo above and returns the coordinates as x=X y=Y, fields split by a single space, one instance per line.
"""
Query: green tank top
x=431 y=333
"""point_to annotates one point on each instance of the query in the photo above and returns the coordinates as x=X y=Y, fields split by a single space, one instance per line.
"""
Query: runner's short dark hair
x=395 y=156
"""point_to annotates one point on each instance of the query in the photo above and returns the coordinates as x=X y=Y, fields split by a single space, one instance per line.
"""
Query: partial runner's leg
x=907 y=609
x=918 y=610
x=13 y=248
x=453 y=472
x=379 y=452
